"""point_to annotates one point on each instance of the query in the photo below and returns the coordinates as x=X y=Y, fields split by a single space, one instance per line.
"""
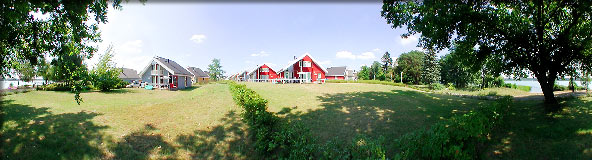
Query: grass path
x=126 y=124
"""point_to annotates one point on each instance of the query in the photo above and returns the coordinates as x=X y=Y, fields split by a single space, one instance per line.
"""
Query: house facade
x=305 y=69
x=352 y=75
x=262 y=72
x=129 y=75
x=199 y=76
x=336 y=73
x=166 y=74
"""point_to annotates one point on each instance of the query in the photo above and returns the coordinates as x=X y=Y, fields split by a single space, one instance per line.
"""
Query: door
x=307 y=77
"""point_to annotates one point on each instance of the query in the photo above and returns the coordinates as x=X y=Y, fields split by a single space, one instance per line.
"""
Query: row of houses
x=164 y=73
x=304 y=69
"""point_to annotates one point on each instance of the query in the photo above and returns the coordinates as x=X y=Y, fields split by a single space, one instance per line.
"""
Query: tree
x=431 y=69
x=105 y=75
x=387 y=63
x=545 y=37
x=364 y=73
x=376 y=70
x=26 y=71
x=43 y=70
x=456 y=71
x=215 y=70
x=67 y=31
x=411 y=64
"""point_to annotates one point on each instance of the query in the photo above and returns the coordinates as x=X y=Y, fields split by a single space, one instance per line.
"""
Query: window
x=265 y=70
x=318 y=75
x=264 y=77
x=306 y=64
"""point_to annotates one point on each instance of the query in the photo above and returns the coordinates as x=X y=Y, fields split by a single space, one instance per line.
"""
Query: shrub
x=519 y=87
x=273 y=136
x=56 y=87
x=456 y=138
x=450 y=86
x=557 y=87
x=436 y=86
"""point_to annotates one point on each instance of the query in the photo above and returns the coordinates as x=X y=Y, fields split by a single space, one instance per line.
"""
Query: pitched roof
x=258 y=66
x=127 y=73
x=298 y=59
x=172 y=66
x=197 y=72
x=336 y=71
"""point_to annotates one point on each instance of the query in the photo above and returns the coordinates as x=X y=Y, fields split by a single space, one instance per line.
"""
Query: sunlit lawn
x=490 y=92
x=201 y=122
x=345 y=110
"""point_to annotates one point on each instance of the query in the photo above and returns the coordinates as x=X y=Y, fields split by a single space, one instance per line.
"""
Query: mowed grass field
x=201 y=122
x=345 y=110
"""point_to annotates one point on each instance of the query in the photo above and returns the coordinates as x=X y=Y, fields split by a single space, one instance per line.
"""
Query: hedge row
x=368 y=82
x=274 y=137
x=456 y=138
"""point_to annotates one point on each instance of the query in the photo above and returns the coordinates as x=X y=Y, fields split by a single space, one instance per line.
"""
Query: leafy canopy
x=215 y=70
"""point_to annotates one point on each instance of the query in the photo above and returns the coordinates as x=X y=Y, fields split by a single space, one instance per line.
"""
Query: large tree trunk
x=551 y=104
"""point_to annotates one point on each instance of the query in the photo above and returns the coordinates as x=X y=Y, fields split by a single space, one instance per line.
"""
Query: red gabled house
x=262 y=72
x=304 y=69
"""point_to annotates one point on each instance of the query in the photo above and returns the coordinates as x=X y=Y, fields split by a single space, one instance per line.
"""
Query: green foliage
x=557 y=87
x=455 y=138
x=68 y=31
x=387 y=63
x=519 y=87
x=105 y=76
x=436 y=86
x=55 y=87
x=431 y=68
x=364 y=73
x=215 y=70
x=411 y=64
x=457 y=71
x=376 y=71
x=501 y=34
x=273 y=136
x=369 y=82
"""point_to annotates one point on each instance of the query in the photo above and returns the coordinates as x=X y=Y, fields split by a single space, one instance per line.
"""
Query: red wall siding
x=271 y=73
x=315 y=69
x=336 y=77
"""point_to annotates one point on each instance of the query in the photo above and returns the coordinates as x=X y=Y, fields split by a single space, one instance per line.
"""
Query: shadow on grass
x=387 y=114
x=225 y=141
x=37 y=133
x=532 y=133
x=190 y=88
x=140 y=144
x=117 y=91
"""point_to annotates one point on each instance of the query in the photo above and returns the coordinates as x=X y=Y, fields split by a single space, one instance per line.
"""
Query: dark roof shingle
x=176 y=68
x=336 y=71
x=197 y=72
x=127 y=73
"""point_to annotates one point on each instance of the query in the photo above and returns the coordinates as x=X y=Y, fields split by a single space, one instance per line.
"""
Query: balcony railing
x=157 y=72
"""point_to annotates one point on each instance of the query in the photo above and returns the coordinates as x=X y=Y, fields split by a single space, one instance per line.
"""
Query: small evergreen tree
x=215 y=70
x=431 y=69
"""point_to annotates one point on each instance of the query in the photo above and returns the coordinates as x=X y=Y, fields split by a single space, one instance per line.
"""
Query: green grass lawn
x=346 y=110
x=531 y=133
x=204 y=122
x=201 y=122
x=489 y=92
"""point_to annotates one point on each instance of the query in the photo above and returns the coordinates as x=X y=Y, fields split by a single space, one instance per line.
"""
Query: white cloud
x=413 y=39
x=376 y=50
x=345 y=55
x=366 y=56
x=198 y=38
x=260 y=54
x=350 y=55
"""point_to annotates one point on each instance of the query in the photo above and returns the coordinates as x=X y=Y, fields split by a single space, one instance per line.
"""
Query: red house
x=336 y=73
x=262 y=73
x=304 y=69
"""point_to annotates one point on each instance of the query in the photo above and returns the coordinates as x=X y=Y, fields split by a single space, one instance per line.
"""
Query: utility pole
x=401 y=77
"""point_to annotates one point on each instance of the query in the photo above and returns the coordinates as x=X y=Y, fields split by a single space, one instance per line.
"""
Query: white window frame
x=307 y=64
x=264 y=69
x=264 y=76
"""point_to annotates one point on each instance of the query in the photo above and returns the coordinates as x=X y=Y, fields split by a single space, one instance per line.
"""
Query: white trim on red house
x=302 y=57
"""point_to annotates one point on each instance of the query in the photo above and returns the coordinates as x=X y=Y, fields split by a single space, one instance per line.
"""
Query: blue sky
x=243 y=35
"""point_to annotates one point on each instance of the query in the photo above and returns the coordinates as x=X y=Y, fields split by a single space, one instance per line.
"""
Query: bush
x=456 y=138
x=56 y=87
x=557 y=87
x=368 y=82
x=274 y=137
x=436 y=86
x=121 y=84
x=519 y=87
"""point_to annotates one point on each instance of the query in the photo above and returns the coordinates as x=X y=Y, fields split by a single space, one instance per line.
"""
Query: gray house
x=336 y=73
x=165 y=74
x=199 y=76
x=129 y=75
